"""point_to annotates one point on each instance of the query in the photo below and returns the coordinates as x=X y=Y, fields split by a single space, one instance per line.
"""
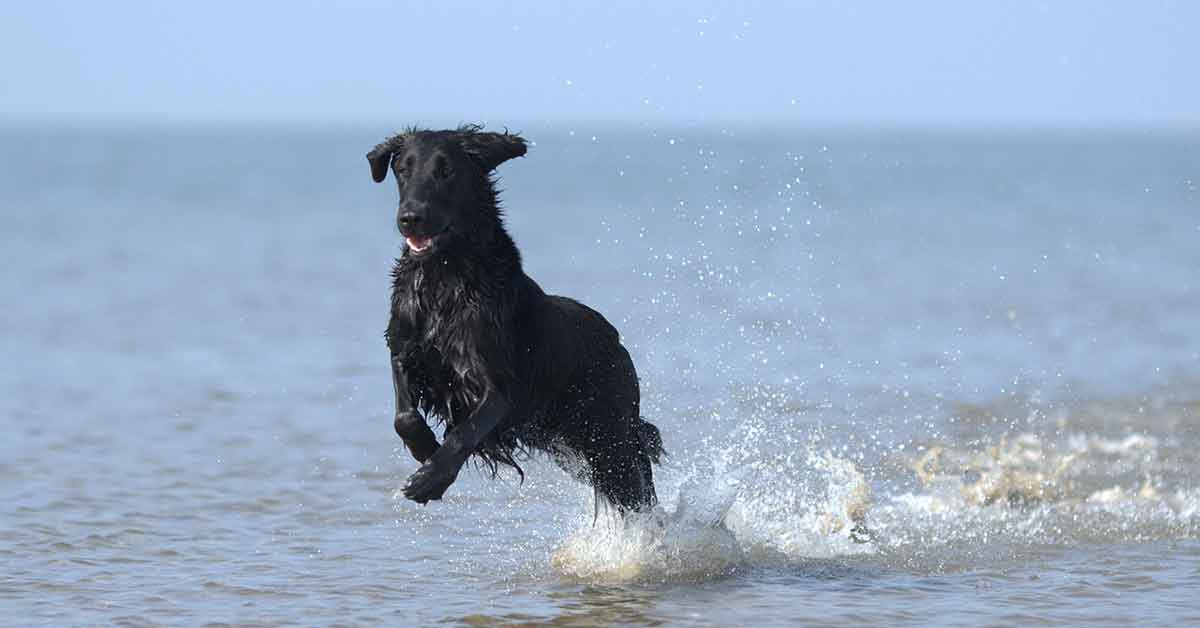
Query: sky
x=1066 y=63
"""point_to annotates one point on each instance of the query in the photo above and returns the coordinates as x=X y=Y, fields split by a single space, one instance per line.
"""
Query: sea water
x=938 y=378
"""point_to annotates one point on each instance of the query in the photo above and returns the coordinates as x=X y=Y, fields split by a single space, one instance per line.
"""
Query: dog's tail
x=650 y=440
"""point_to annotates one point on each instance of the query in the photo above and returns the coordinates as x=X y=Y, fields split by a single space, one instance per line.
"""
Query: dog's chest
x=441 y=324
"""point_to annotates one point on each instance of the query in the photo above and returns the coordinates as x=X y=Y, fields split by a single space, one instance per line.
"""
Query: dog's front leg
x=435 y=476
x=410 y=426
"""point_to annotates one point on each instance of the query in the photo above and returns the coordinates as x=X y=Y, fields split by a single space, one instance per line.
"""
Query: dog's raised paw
x=417 y=436
x=429 y=483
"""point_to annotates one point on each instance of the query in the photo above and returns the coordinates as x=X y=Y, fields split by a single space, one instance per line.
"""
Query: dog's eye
x=402 y=167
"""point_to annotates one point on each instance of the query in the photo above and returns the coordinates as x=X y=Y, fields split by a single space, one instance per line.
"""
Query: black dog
x=476 y=344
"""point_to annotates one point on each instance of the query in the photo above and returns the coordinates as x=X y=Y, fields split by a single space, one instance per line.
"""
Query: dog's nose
x=408 y=219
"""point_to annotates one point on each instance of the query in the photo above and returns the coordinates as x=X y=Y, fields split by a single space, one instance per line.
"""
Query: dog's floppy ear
x=493 y=149
x=380 y=157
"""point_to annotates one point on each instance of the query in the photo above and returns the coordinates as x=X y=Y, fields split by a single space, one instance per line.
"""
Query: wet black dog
x=476 y=344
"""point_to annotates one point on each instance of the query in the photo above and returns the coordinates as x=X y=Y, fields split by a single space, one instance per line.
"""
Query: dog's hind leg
x=618 y=464
x=624 y=480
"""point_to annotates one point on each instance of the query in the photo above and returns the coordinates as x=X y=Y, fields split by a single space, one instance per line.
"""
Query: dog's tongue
x=418 y=243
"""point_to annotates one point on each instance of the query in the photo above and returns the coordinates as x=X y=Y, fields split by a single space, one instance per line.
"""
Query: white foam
x=775 y=510
x=658 y=546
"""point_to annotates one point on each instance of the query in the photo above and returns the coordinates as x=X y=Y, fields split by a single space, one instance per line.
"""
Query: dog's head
x=445 y=182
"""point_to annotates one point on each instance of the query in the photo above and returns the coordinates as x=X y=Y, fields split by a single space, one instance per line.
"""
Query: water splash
x=779 y=509
x=944 y=507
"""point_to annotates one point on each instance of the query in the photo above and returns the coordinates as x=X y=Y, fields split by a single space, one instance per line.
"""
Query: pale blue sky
x=1054 y=63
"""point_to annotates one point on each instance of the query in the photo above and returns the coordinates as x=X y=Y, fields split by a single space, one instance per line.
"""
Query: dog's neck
x=487 y=261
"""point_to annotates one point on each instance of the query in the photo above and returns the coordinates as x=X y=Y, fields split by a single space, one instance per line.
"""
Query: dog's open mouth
x=419 y=243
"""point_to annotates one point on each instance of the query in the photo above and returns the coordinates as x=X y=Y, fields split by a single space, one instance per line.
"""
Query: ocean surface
x=983 y=346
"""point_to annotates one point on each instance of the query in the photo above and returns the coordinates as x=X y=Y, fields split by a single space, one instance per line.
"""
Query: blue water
x=985 y=345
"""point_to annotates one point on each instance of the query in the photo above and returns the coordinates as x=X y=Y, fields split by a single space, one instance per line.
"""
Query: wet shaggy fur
x=478 y=346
